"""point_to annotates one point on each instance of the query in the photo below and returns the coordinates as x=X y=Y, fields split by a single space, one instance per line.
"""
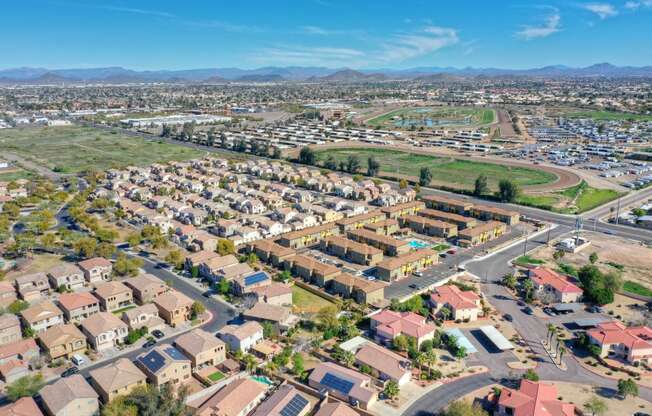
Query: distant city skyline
x=165 y=34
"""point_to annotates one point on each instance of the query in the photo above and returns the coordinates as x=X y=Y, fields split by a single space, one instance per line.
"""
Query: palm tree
x=551 y=330
x=445 y=313
x=431 y=360
x=419 y=360
x=250 y=362
x=562 y=350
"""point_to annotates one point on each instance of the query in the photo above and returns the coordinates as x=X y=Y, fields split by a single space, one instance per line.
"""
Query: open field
x=12 y=174
x=306 y=302
x=75 y=149
x=454 y=173
x=576 y=199
x=434 y=117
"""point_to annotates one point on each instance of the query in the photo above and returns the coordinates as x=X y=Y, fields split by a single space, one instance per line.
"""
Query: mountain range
x=119 y=75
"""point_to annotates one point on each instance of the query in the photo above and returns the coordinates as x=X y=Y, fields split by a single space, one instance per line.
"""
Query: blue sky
x=166 y=34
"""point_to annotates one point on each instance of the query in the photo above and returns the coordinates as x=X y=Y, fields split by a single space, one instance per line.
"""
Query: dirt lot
x=39 y=263
x=636 y=259
x=578 y=394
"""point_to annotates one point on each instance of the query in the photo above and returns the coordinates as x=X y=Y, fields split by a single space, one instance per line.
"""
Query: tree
x=596 y=406
x=431 y=360
x=508 y=191
x=593 y=257
x=127 y=266
x=48 y=240
x=627 y=388
x=268 y=328
x=17 y=306
x=445 y=313
x=225 y=247
x=164 y=401
x=352 y=164
x=528 y=287
x=373 y=167
x=134 y=239
x=175 y=258
x=119 y=407
x=25 y=387
x=307 y=156
x=223 y=287
x=327 y=316
x=85 y=247
x=551 y=331
x=425 y=176
x=481 y=187
x=509 y=280
x=598 y=287
x=297 y=364
x=401 y=343
x=561 y=352
x=197 y=309
x=531 y=375
x=250 y=362
x=392 y=389
x=464 y=408
x=276 y=153
x=558 y=255
x=330 y=163
x=106 y=250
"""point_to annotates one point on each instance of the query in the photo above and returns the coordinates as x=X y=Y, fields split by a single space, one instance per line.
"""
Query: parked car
x=419 y=274
x=149 y=343
x=70 y=372
x=508 y=317
x=78 y=360
x=520 y=303
x=528 y=310
x=157 y=333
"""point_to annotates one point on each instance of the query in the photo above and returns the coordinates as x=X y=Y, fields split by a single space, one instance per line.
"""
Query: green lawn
x=636 y=288
x=75 y=149
x=448 y=116
x=304 y=301
x=586 y=197
x=15 y=174
x=539 y=201
x=608 y=115
x=453 y=173
x=216 y=376
x=525 y=260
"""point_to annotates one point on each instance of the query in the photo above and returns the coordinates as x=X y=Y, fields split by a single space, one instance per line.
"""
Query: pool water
x=417 y=244
x=263 y=379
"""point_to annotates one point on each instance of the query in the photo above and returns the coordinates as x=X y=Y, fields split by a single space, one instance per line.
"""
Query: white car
x=78 y=360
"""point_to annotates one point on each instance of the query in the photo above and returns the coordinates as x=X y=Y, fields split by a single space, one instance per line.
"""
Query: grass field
x=586 y=197
x=306 y=302
x=636 y=288
x=434 y=117
x=75 y=149
x=608 y=115
x=445 y=171
x=525 y=260
x=9 y=175
x=216 y=376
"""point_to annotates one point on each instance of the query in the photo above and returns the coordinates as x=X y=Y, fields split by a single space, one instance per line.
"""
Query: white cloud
x=635 y=5
x=298 y=55
x=406 y=46
x=603 y=10
x=550 y=26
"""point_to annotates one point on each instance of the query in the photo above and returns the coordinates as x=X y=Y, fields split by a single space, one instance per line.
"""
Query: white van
x=78 y=360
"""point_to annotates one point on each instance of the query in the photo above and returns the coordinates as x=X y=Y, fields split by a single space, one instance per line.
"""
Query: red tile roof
x=544 y=276
x=614 y=332
x=406 y=323
x=453 y=296
x=535 y=399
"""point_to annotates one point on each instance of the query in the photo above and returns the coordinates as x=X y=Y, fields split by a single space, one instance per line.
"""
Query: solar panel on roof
x=153 y=361
x=174 y=353
x=295 y=406
x=336 y=383
x=255 y=278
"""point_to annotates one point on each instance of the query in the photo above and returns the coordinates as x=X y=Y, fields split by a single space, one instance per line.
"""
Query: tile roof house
x=164 y=364
x=276 y=293
x=238 y=398
x=10 y=329
x=25 y=406
x=279 y=316
x=117 y=378
x=66 y=275
x=62 y=341
x=146 y=287
x=78 y=306
x=104 y=330
x=113 y=296
x=174 y=307
x=533 y=399
x=285 y=400
x=633 y=344
x=13 y=370
x=25 y=350
x=336 y=409
x=7 y=294
x=33 y=286
x=241 y=337
x=388 y=324
x=202 y=348
x=143 y=316
x=343 y=383
x=244 y=284
x=384 y=364
x=96 y=270
x=548 y=281
x=70 y=396
x=463 y=304
x=42 y=316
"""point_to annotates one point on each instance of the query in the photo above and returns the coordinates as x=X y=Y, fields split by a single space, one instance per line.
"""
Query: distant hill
x=119 y=75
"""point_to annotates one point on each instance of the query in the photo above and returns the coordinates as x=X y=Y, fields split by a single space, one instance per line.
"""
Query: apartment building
x=428 y=226
x=389 y=245
x=351 y=250
x=397 y=268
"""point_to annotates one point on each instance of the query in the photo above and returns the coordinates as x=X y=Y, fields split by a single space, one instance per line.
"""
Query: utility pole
x=618 y=211
x=548 y=236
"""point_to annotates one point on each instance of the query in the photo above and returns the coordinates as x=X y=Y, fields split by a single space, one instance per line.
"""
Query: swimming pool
x=418 y=244
x=263 y=379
